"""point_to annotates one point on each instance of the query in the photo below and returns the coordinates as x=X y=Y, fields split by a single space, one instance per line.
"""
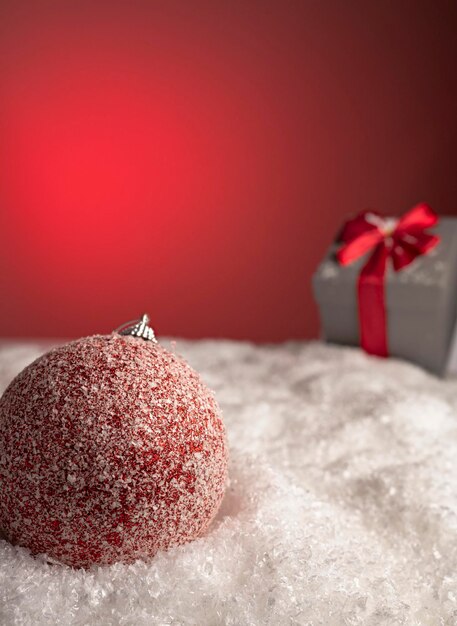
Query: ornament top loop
x=138 y=328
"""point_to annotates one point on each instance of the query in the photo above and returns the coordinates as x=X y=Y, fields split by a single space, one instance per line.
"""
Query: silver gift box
x=421 y=301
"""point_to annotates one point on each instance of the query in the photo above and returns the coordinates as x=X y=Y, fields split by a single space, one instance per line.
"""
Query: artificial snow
x=341 y=507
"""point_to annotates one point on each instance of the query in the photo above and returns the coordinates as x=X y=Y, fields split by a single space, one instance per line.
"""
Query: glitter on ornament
x=111 y=448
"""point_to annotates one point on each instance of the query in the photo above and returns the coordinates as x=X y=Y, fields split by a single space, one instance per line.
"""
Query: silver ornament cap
x=138 y=328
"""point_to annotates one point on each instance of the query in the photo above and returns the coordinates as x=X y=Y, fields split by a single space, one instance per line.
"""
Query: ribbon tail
x=371 y=302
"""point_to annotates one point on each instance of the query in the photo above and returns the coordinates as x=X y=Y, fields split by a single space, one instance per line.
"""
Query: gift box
x=390 y=286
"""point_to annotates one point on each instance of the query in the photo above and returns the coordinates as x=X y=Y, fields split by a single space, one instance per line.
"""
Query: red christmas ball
x=111 y=448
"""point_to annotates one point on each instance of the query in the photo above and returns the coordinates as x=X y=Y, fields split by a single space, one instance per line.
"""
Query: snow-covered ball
x=111 y=448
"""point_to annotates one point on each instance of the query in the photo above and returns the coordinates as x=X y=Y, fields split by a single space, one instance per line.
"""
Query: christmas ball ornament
x=111 y=448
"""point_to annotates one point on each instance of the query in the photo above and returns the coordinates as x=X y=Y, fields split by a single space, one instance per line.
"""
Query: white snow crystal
x=341 y=507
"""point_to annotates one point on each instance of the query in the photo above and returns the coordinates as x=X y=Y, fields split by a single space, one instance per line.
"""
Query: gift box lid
x=426 y=282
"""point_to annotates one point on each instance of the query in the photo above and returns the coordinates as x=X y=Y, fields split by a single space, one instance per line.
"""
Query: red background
x=195 y=159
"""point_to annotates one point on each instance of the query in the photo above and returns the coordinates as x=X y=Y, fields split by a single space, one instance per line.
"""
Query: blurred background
x=194 y=159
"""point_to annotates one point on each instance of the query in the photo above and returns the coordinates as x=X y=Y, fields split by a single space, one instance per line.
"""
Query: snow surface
x=341 y=508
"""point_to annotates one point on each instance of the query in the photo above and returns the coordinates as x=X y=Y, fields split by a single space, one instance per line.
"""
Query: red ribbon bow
x=401 y=240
